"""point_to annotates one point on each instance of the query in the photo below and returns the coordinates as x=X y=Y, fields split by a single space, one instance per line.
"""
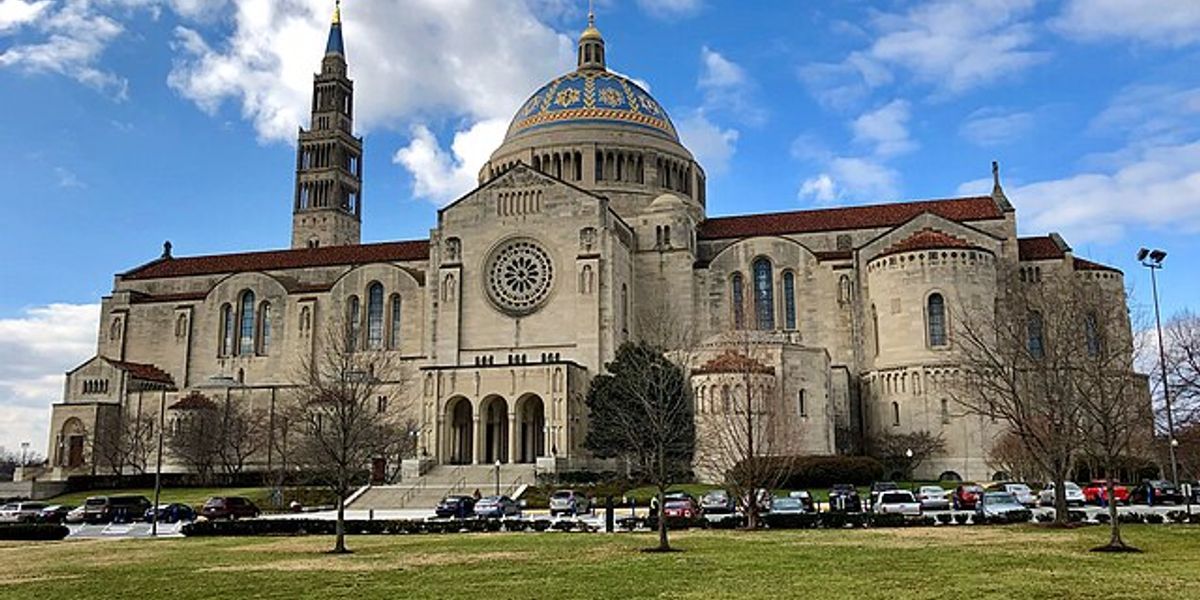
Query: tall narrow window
x=228 y=330
x=875 y=328
x=895 y=414
x=264 y=328
x=1091 y=330
x=353 y=323
x=246 y=341
x=624 y=312
x=801 y=405
x=375 y=317
x=739 y=309
x=1037 y=341
x=394 y=324
x=764 y=295
x=789 y=300
x=936 y=320
x=945 y=411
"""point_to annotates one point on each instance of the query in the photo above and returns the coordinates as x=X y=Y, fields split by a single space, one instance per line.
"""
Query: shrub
x=1130 y=518
x=1194 y=519
x=1155 y=519
x=28 y=532
x=1103 y=518
x=1076 y=516
x=945 y=518
x=961 y=518
x=799 y=521
x=887 y=520
x=833 y=520
x=1178 y=516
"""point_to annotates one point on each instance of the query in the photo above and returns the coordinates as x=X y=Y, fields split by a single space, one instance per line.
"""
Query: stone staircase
x=443 y=480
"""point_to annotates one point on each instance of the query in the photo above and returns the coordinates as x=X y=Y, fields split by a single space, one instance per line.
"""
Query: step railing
x=412 y=492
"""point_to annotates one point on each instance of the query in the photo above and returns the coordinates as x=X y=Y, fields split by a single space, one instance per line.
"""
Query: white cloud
x=727 y=88
x=886 y=129
x=440 y=176
x=951 y=45
x=1152 y=114
x=671 y=8
x=1155 y=22
x=14 y=13
x=36 y=349
x=68 y=179
x=71 y=39
x=409 y=60
x=852 y=179
x=712 y=145
x=995 y=127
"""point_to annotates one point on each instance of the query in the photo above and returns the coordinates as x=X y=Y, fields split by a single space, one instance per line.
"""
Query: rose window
x=519 y=276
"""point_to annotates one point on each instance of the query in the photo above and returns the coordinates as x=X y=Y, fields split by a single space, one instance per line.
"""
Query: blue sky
x=129 y=122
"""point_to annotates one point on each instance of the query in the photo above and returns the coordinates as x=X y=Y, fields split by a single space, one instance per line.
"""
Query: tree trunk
x=1115 y=540
x=664 y=545
x=1061 y=516
x=339 y=546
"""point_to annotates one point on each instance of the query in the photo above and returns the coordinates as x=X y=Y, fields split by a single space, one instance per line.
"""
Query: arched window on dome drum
x=936 y=320
x=264 y=328
x=394 y=333
x=375 y=317
x=1037 y=341
x=764 y=295
x=246 y=343
x=353 y=326
x=227 y=330
x=789 y=300
x=736 y=294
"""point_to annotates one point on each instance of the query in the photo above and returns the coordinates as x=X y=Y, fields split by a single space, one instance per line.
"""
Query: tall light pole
x=1152 y=259
x=497 y=477
x=24 y=453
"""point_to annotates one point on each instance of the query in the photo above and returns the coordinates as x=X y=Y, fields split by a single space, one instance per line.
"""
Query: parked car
x=229 y=507
x=1096 y=492
x=21 y=512
x=933 y=497
x=1157 y=491
x=497 y=507
x=1194 y=487
x=785 y=512
x=879 y=487
x=717 y=502
x=455 y=507
x=681 y=510
x=966 y=496
x=843 y=498
x=114 y=509
x=76 y=515
x=1020 y=491
x=805 y=499
x=54 y=513
x=568 y=502
x=901 y=502
x=1074 y=494
x=171 y=513
x=1001 y=506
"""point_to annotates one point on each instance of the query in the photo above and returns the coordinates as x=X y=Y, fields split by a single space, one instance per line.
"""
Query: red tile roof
x=928 y=239
x=1039 y=248
x=1082 y=264
x=282 y=259
x=194 y=401
x=733 y=362
x=854 y=217
x=144 y=372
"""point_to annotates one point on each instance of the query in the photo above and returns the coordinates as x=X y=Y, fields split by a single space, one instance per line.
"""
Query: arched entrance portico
x=495 y=434
x=460 y=435
x=531 y=426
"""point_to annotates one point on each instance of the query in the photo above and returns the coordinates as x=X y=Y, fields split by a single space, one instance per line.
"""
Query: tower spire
x=998 y=195
x=336 y=45
x=591 y=44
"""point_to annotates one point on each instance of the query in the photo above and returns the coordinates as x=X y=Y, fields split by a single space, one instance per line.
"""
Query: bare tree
x=1008 y=454
x=905 y=452
x=1182 y=341
x=194 y=434
x=244 y=434
x=1018 y=364
x=745 y=434
x=338 y=411
x=128 y=442
x=641 y=411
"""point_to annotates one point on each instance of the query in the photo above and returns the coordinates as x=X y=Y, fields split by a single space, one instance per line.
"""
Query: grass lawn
x=195 y=497
x=925 y=563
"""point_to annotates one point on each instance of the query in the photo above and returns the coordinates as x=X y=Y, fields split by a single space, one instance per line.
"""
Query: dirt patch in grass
x=24 y=579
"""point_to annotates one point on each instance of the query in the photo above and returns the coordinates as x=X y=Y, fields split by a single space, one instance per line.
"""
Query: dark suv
x=229 y=507
x=1157 y=491
x=114 y=509
x=844 y=498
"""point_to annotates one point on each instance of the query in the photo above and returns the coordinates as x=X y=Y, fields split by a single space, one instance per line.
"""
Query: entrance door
x=378 y=473
x=75 y=451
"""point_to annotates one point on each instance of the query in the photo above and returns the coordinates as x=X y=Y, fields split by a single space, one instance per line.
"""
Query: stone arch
x=949 y=476
x=72 y=441
x=530 y=428
x=460 y=431
x=493 y=429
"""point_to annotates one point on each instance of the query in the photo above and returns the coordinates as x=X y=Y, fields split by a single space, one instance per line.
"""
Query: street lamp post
x=497 y=477
x=1152 y=259
x=908 y=464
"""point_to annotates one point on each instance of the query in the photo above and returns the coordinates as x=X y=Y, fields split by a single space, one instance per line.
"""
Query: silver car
x=900 y=502
x=568 y=502
x=1021 y=492
x=933 y=497
x=21 y=512
x=1074 y=495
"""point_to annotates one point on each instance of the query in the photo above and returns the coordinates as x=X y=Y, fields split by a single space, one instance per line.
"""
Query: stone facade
x=588 y=226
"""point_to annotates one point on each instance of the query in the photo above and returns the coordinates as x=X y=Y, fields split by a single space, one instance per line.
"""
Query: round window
x=519 y=276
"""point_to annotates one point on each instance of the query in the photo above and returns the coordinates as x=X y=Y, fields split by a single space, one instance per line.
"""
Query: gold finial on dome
x=591 y=44
x=337 y=12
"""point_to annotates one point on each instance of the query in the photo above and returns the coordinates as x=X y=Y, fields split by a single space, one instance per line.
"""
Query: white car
x=21 y=512
x=899 y=502
x=1022 y=493
x=933 y=497
x=1074 y=495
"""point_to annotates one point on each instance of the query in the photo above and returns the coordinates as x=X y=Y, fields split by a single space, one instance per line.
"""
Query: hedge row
x=284 y=527
x=26 y=532
x=804 y=472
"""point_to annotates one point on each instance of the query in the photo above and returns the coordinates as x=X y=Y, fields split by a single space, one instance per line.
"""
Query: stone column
x=512 y=437
x=477 y=440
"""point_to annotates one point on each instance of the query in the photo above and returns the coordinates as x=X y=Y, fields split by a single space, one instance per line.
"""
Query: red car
x=681 y=510
x=966 y=496
x=229 y=507
x=1096 y=491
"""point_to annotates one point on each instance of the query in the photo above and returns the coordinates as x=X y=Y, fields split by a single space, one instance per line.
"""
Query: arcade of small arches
x=617 y=166
x=493 y=430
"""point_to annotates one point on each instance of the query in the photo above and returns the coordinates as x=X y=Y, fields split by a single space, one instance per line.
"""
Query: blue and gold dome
x=592 y=95
x=589 y=97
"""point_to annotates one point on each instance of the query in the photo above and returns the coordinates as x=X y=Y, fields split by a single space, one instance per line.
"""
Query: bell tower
x=327 y=207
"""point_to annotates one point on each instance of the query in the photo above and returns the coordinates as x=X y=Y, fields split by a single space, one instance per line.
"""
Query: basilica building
x=589 y=228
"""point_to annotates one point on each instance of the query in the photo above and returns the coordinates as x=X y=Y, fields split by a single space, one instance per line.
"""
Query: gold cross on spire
x=337 y=12
x=592 y=12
